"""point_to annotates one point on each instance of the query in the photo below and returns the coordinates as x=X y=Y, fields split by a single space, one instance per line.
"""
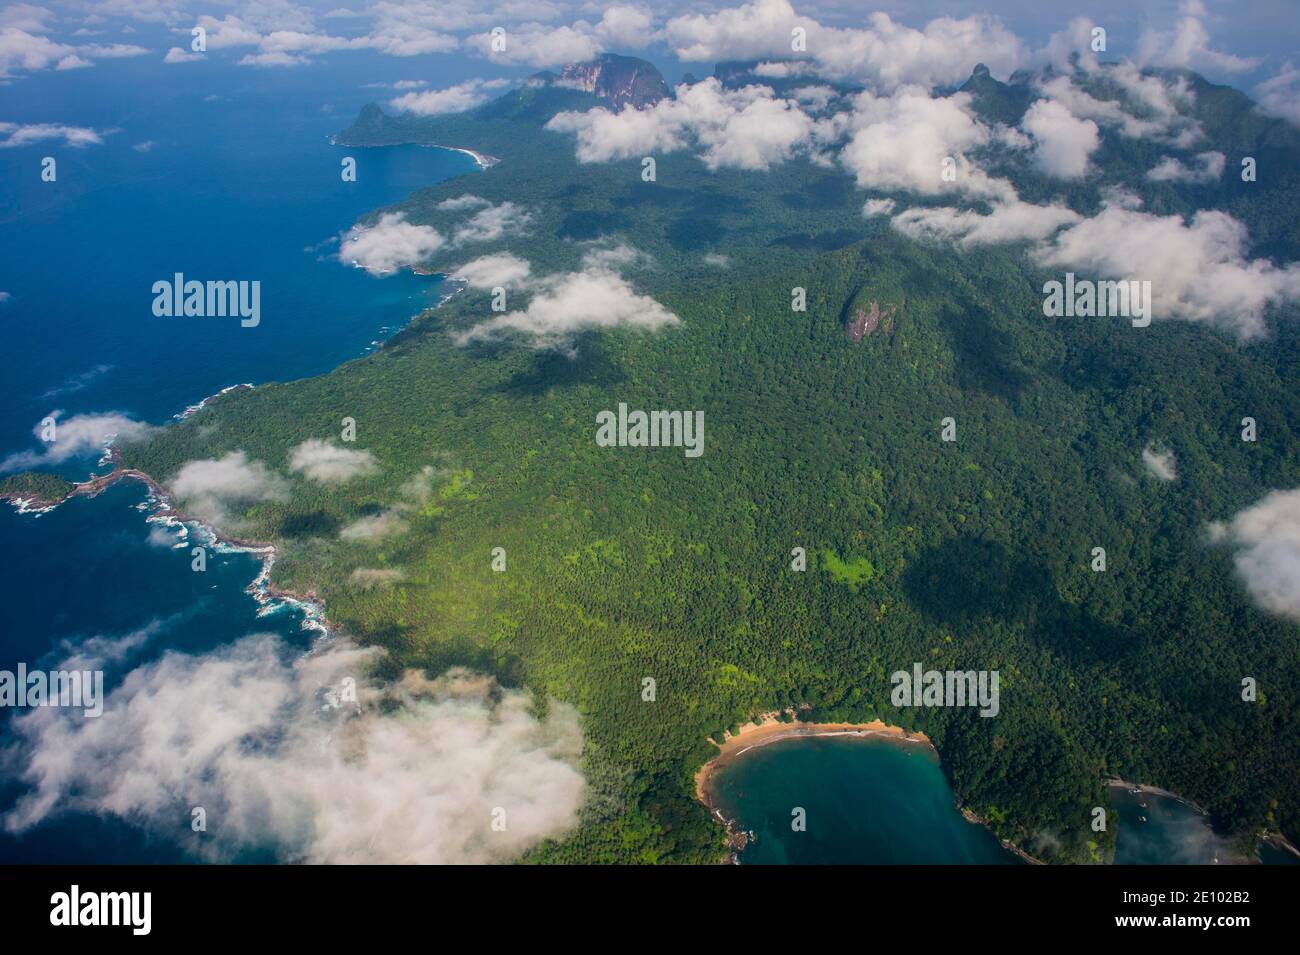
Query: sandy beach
x=769 y=729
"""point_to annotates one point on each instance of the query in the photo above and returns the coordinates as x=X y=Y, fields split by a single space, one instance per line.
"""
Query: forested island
x=623 y=565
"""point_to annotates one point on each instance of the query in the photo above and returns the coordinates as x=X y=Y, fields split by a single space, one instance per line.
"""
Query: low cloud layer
x=493 y=222
x=310 y=757
x=81 y=434
x=452 y=99
x=216 y=489
x=13 y=135
x=566 y=304
x=1063 y=143
x=1206 y=167
x=742 y=129
x=1198 y=269
x=1266 y=541
x=24 y=48
x=329 y=464
x=375 y=527
x=490 y=271
x=882 y=53
x=1160 y=463
x=390 y=244
x=393 y=243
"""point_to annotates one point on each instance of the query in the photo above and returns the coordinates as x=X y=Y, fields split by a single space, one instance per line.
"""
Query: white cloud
x=1159 y=101
x=763 y=132
x=783 y=69
x=13 y=135
x=604 y=135
x=163 y=535
x=1009 y=221
x=467 y=201
x=492 y=223
x=885 y=55
x=1121 y=197
x=414 y=28
x=109 y=651
x=78 y=435
x=329 y=464
x=393 y=243
x=396 y=41
x=1280 y=94
x=744 y=129
x=1067 y=46
x=177 y=55
x=815 y=97
x=111 y=51
x=412 y=772
x=375 y=527
x=229 y=31
x=1198 y=270
x=614 y=258
x=453 y=99
x=574 y=302
x=878 y=207
x=390 y=244
x=26 y=17
x=489 y=271
x=625 y=27
x=1160 y=464
x=751 y=31
x=1063 y=143
x=24 y=50
x=210 y=488
x=537 y=45
x=1187 y=46
x=1266 y=537
x=1208 y=167
x=903 y=142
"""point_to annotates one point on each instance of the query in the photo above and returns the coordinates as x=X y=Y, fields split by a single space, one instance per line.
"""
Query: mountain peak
x=622 y=80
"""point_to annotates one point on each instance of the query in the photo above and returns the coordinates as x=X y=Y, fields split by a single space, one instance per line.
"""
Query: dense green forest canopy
x=626 y=563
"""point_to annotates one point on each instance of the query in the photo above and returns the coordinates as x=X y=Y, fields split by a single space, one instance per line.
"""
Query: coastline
x=483 y=160
x=163 y=510
x=1274 y=838
x=769 y=728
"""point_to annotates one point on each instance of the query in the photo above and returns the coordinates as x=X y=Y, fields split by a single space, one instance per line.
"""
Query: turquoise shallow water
x=866 y=801
x=879 y=801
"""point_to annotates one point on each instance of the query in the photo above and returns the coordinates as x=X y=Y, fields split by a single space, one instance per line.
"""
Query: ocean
x=873 y=801
x=219 y=172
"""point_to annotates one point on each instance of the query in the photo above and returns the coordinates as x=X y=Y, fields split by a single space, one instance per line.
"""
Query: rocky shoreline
x=268 y=596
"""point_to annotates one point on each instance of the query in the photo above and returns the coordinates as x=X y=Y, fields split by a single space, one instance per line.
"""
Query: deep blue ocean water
x=238 y=180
